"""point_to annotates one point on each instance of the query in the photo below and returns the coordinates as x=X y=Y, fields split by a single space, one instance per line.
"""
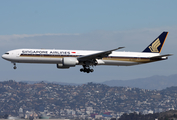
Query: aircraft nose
x=7 y=56
x=3 y=56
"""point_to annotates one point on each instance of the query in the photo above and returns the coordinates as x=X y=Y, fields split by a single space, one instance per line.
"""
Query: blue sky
x=88 y=25
x=44 y=16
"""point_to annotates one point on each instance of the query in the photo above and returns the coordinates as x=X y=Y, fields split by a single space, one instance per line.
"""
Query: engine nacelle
x=61 y=66
x=68 y=62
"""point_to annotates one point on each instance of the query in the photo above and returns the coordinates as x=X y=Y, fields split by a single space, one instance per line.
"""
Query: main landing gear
x=15 y=67
x=86 y=69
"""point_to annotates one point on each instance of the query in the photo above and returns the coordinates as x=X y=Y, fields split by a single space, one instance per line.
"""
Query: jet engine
x=68 y=62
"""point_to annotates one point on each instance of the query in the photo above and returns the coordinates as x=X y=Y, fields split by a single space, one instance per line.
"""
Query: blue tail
x=157 y=44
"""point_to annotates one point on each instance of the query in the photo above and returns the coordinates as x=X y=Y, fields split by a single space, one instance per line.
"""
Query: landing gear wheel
x=86 y=69
x=15 y=67
x=82 y=70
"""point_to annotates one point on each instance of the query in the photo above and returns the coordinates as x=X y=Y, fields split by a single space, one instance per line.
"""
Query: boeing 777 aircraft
x=71 y=58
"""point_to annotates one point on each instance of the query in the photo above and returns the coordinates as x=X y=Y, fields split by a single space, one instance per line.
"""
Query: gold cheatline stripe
x=142 y=60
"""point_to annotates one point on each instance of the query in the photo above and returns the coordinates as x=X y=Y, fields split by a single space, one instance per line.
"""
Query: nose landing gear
x=15 y=67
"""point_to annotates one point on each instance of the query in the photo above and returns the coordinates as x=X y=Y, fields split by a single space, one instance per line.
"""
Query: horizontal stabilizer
x=160 y=56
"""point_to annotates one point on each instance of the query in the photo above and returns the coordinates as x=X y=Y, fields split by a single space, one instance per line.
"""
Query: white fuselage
x=53 y=56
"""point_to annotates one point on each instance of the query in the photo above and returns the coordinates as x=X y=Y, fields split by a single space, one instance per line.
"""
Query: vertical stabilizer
x=157 y=44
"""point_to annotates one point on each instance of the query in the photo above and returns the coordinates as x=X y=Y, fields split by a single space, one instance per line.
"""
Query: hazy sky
x=88 y=25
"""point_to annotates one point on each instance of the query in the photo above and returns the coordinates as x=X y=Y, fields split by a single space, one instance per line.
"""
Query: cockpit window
x=6 y=53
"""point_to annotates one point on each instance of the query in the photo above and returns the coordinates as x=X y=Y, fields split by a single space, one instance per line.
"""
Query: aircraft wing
x=97 y=55
x=160 y=56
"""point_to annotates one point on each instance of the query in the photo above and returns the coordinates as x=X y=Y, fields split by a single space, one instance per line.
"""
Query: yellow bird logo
x=155 y=45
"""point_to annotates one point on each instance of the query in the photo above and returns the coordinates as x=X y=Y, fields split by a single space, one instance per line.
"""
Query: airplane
x=65 y=59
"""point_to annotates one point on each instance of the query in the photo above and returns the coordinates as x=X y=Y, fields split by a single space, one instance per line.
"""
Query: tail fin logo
x=155 y=45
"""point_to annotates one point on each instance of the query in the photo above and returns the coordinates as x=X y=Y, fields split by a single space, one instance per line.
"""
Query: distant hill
x=152 y=83
x=60 y=83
